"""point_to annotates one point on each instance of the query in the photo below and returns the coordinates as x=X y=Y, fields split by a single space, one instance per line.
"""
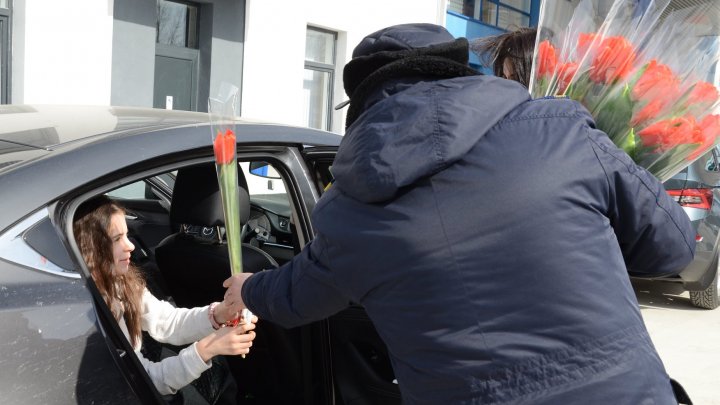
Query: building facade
x=286 y=56
x=480 y=18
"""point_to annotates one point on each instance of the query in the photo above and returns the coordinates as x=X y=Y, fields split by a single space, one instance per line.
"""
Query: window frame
x=325 y=68
x=5 y=54
x=479 y=7
x=192 y=25
x=500 y=4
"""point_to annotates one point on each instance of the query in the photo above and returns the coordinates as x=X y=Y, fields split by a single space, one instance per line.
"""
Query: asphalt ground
x=687 y=338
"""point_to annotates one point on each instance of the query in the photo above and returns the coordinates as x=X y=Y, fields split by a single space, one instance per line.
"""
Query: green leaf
x=613 y=114
x=580 y=88
x=666 y=165
x=628 y=143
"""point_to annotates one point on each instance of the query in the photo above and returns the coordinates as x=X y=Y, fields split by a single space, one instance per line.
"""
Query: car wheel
x=707 y=298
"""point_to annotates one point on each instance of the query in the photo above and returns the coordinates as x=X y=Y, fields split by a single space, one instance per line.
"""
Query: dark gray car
x=59 y=342
x=697 y=189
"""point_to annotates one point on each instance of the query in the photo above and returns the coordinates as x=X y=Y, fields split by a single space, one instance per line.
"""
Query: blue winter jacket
x=489 y=238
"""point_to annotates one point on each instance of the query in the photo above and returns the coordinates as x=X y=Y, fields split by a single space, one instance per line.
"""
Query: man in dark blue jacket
x=488 y=236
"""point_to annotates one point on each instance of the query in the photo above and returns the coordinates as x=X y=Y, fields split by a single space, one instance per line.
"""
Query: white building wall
x=274 y=58
x=62 y=51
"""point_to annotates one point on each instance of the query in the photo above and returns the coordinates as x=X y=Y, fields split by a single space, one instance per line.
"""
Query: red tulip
x=703 y=93
x=709 y=133
x=224 y=147
x=614 y=60
x=584 y=43
x=566 y=72
x=657 y=88
x=657 y=80
x=547 y=60
x=649 y=111
x=666 y=134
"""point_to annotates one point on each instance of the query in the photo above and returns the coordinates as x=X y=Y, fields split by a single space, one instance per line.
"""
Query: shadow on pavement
x=658 y=294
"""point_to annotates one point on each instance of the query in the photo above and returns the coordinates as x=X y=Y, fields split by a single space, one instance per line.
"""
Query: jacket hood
x=421 y=112
x=417 y=130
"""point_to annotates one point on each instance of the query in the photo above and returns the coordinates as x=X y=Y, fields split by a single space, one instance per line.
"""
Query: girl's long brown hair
x=516 y=46
x=123 y=294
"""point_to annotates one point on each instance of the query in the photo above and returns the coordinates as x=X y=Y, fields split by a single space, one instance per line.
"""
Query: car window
x=263 y=181
x=39 y=247
x=131 y=191
x=144 y=189
x=43 y=238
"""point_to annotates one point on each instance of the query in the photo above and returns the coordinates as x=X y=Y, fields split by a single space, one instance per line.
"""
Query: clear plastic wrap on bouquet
x=223 y=109
x=647 y=74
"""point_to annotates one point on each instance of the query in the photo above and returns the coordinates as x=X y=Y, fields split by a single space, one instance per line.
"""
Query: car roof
x=49 y=151
x=29 y=131
x=46 y=126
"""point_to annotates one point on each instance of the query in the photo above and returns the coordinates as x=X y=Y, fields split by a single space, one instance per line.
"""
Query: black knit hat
x=399 y=51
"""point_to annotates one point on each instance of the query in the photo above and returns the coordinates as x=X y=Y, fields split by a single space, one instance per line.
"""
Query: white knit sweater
x=177 y=326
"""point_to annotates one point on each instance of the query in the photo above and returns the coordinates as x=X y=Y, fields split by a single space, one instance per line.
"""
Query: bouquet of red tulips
x=646 y=72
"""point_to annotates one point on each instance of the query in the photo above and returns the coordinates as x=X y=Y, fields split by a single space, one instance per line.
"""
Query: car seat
x=194 y=259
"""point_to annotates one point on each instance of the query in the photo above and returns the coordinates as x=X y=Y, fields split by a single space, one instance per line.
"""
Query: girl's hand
x=227 y=341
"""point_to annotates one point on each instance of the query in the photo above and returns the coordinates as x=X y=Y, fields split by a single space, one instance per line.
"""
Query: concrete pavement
x=687 y=338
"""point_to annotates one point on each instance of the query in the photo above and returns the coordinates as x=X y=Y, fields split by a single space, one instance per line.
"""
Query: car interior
x=176 y=222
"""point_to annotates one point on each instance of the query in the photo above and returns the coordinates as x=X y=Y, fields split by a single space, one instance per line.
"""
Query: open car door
x=361 y=365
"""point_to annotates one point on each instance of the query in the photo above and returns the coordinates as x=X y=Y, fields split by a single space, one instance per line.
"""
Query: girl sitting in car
x=102 y=236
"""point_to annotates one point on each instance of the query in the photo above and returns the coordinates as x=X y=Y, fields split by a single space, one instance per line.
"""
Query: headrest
x=196 y=197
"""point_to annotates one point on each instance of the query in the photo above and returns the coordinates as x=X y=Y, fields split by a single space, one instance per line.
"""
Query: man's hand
x=233 y=295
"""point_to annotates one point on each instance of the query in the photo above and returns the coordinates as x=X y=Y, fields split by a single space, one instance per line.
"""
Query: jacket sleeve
x=172 y=373
x=177 y=326
x=654 y=233
x=299 y=292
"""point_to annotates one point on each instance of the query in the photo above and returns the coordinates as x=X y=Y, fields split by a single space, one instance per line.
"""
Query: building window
x=177 y=56
x=4 y=52
x=177 y=24
x=504 y=14
x=319 y=77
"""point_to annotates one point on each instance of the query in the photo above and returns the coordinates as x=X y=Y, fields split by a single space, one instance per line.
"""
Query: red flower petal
x=224 y=147
x=547 y=60
x=614 y=60
x=703 y=93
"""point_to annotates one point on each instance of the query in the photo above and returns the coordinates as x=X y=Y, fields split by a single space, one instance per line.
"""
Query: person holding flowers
x=101 y=234
x=487 y=235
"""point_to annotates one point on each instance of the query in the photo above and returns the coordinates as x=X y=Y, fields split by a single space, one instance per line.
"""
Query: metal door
x=176 y=76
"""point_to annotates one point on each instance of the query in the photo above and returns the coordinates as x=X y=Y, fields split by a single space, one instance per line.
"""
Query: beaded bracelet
x=211 y=315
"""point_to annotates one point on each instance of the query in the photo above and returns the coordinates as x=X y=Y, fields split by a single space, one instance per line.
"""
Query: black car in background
x=697 y=189
x=59 y=342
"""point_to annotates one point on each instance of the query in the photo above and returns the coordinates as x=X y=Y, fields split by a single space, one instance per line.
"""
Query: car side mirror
x=263 y=169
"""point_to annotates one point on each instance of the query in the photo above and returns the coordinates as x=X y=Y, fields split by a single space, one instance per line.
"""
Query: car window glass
x=271 y=183
x=131 y=191
x=142 y=190
x=271 y=219
x=44 y=240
